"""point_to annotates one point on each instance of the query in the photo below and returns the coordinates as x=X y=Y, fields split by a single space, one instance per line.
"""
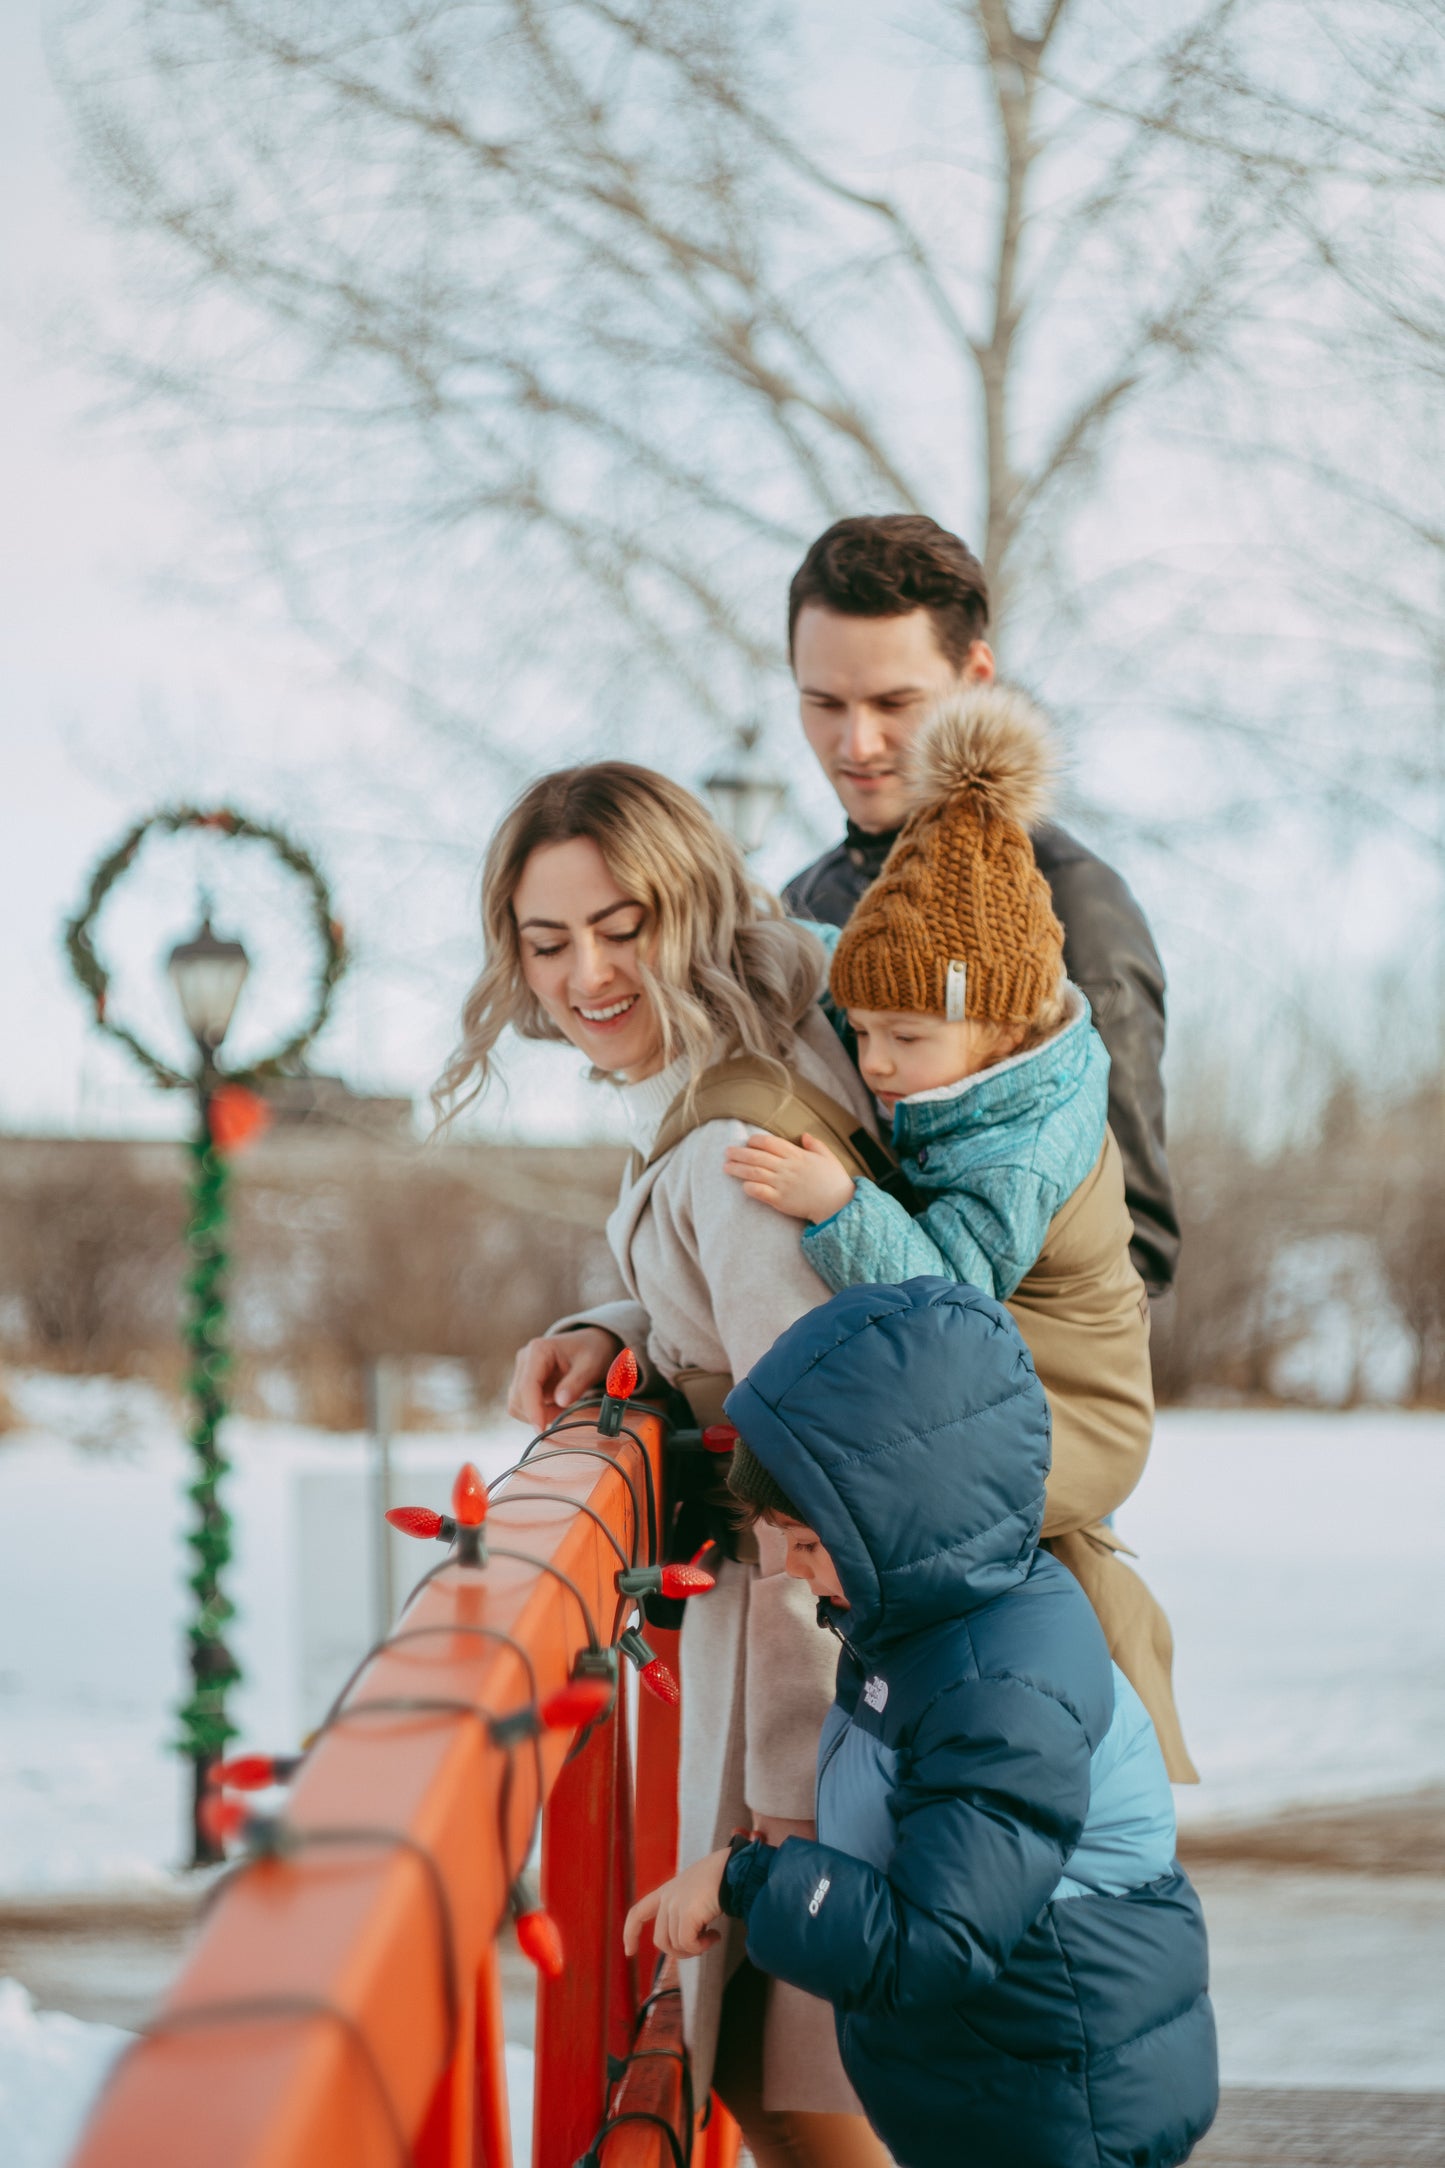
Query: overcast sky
x=118 y=694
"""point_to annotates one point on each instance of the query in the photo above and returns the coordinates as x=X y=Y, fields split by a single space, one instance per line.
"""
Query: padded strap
x=748 y=1089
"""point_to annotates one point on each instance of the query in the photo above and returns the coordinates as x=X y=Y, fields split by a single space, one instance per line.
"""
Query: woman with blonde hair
x=618 y=917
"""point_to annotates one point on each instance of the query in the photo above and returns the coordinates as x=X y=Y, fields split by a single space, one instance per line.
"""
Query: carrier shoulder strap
x=748 y=1089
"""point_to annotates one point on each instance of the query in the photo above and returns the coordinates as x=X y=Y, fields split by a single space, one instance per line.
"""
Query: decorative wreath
x=95 y=979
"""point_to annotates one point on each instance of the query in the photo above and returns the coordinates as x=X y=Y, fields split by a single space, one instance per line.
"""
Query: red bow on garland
x=236 y=1117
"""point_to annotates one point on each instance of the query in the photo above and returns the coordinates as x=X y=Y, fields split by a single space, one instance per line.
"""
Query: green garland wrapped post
x=229 y=1114
x=205 y=1726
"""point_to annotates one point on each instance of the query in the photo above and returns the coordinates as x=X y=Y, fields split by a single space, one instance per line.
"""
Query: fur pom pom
x=990 y=740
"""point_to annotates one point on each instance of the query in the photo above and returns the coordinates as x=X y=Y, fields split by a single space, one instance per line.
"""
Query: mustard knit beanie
x=960 y=922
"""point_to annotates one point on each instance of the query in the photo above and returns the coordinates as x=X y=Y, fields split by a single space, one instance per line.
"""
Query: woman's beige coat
x=714 y=1277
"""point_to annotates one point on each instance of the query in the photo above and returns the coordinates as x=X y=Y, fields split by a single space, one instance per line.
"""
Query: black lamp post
x=745 y=794
x=207 y=974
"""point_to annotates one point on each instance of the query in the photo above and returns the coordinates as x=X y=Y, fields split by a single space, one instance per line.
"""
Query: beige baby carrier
x=1086 y=1328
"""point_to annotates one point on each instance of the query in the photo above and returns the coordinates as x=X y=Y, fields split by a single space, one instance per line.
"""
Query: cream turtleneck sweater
x=644 y=1105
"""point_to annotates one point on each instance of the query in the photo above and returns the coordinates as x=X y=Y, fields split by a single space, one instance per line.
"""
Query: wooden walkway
x=1289 y=2128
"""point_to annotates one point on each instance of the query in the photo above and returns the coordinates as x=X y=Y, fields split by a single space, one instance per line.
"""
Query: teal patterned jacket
x=995 y=1162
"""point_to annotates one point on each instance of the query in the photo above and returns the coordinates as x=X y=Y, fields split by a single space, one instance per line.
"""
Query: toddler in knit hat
x=969 y=1034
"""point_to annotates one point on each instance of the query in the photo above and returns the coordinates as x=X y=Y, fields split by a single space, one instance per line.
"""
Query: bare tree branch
x=576 y=307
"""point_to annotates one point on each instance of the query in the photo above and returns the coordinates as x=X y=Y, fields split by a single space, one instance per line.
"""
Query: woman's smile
x=600 y=1019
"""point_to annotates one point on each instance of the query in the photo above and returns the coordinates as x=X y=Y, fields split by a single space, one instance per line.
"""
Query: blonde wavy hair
x=727 y=971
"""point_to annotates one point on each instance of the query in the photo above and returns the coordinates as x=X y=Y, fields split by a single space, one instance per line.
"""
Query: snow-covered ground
x=51 y=2067
x=1299 y=1557
x=1327 y=1979
x=93 y=1604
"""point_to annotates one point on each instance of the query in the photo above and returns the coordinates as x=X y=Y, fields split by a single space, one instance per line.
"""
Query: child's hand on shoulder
x=681 y=1911
x=804 y=1181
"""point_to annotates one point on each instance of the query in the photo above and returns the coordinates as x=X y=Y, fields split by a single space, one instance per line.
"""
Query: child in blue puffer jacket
x=1017 y=1964
x=973 y=1042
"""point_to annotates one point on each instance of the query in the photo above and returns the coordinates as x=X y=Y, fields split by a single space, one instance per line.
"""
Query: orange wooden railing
x=341 y=2007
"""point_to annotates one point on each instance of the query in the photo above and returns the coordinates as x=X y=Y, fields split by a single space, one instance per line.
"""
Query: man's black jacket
x=1109 y=952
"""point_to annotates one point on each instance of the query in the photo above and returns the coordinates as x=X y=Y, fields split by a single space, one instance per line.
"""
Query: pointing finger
x=644 y=1910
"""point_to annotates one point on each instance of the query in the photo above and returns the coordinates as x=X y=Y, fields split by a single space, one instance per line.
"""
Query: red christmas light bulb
x=540 y=1938
x=686 y=1581
x=622 y=1376
x=246 y=1773
x=576 y=1704
x=221 y=1818
x=659 y=1681
x=469 y=1497
x=416 y=1520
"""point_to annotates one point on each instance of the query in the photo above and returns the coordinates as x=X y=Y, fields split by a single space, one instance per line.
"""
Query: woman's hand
x=681 y=1911
x=553 y=1372
x=804 y=1181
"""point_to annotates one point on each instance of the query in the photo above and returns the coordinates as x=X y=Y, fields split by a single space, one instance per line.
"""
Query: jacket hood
x=908 y=1425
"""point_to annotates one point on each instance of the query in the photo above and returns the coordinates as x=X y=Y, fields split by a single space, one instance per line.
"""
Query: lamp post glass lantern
x=745 y=794
x=207 y=974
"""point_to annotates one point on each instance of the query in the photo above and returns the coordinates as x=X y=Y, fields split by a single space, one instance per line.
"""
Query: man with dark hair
x=885 y=617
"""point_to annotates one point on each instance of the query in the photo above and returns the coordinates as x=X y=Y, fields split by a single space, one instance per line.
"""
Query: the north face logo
x=875 y=1692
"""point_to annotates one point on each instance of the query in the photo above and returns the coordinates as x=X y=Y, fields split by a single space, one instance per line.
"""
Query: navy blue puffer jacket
x=1018 y=1965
